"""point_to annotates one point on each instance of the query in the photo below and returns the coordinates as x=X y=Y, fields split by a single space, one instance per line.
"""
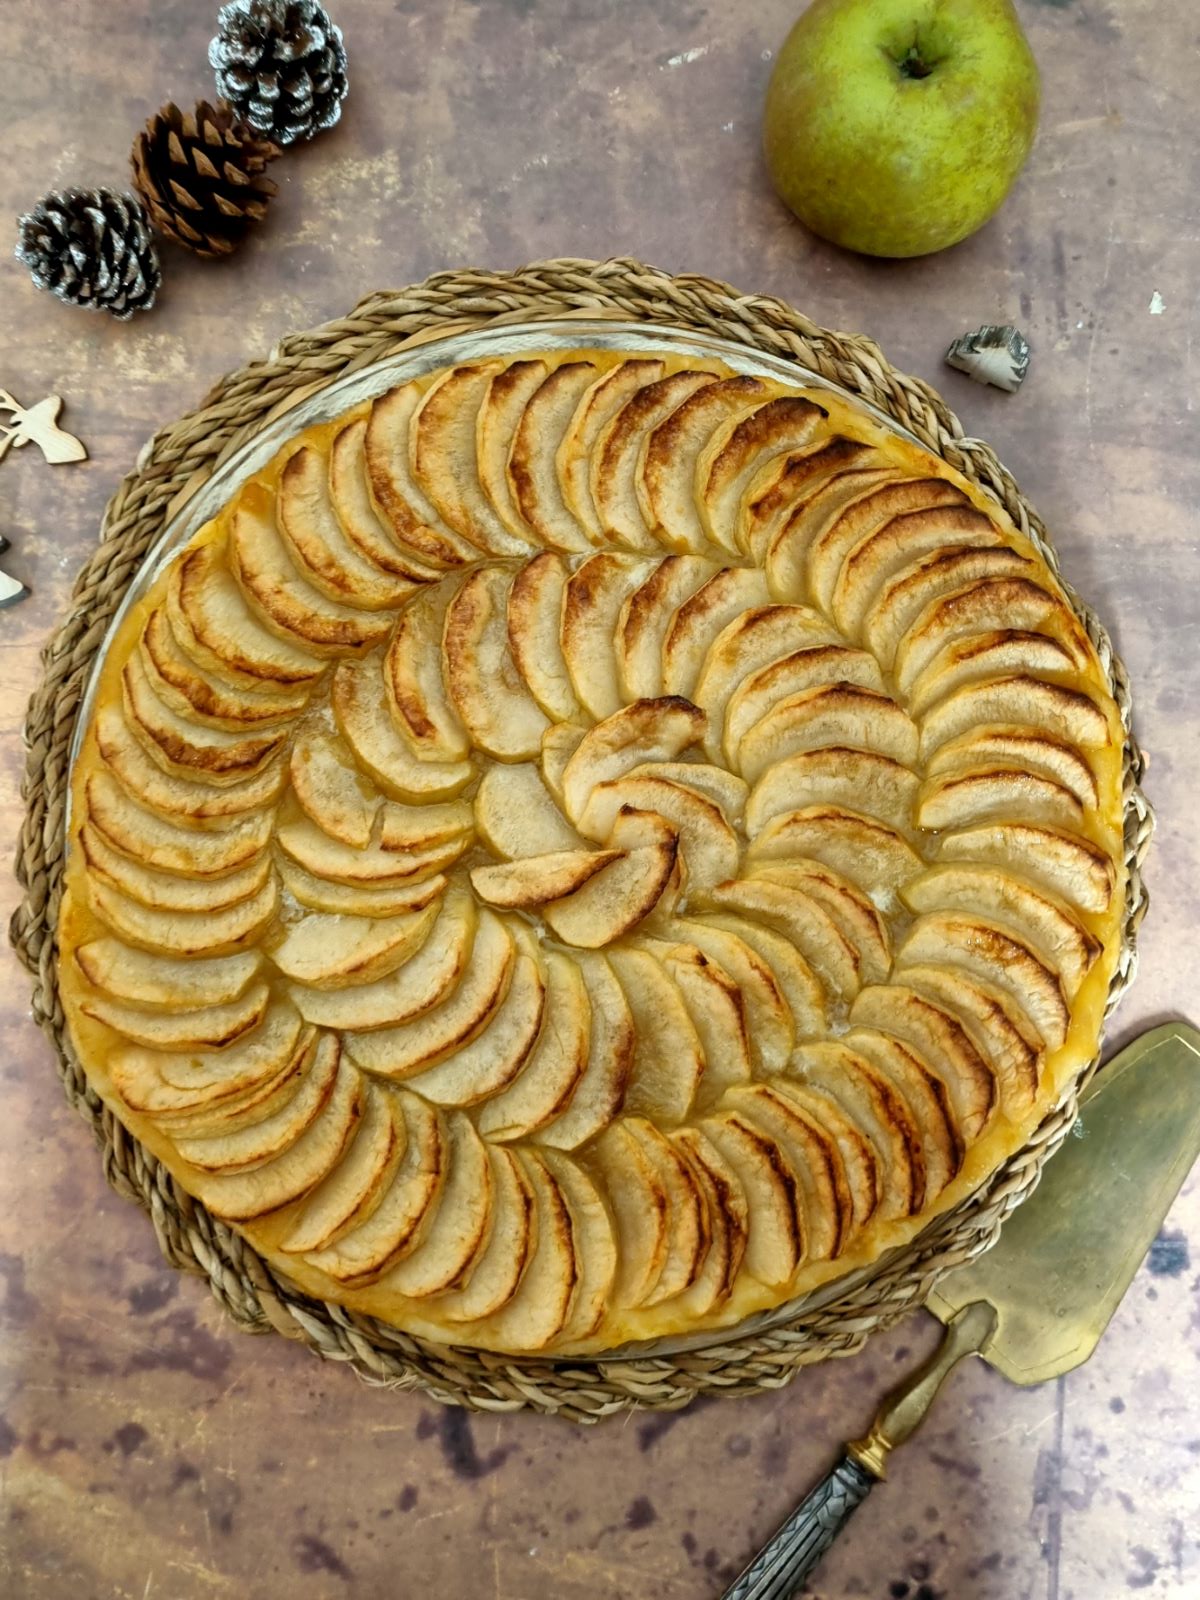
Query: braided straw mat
x=180 y=458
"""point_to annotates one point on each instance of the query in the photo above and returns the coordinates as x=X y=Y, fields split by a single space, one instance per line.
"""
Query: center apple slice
x=648 y=730
x=538 y=879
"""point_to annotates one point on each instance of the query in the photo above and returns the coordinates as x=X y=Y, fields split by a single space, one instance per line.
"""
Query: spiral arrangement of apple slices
x=586 y=847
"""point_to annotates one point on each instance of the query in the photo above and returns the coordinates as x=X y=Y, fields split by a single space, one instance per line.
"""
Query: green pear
x=897 y=127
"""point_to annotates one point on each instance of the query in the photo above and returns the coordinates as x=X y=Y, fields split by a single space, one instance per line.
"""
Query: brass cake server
x=1036 y=1305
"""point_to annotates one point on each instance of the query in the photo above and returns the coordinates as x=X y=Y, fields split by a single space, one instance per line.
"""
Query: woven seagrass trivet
x=172 y=466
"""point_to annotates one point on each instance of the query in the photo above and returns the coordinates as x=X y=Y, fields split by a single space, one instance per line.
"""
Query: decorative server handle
x=782 y=1565
x=784 y=1562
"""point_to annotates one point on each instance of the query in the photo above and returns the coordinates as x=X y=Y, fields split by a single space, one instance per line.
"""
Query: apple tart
x=590 y=847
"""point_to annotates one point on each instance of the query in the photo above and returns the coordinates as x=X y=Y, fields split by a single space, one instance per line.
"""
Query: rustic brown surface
x=147 y=1450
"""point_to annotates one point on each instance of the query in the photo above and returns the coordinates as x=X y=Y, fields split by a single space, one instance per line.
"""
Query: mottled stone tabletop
x=148 y=1451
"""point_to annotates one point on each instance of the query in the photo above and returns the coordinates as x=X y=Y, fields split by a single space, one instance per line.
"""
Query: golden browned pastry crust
x=589 y=847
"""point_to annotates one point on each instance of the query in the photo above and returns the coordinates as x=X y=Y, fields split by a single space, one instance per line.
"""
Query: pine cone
x=91 y=247
x=281 y=65
x=201 y=177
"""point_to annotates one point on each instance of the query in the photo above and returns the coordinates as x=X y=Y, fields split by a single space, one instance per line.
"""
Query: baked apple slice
x=1066 y=714
x=424 y=980
x=317 y=540
x=993 y=654
x=822 y=1192
x=941 y=1043
x=413 y=1046
x=541 y=1307
x=1069 y=866
x=874 y=1105
x=812 y=667
x=857 y=522
x=993 y=794
x=927 y=1099
x=826 y=950
x=202 y=1028
x=983 y=610
x=185 y=746
x=595 y=1247
x=443 y=458
x=836 y=714
x=1031 y=913
x=708 y=846
x=647 y=730
x=997 y=1025
x=618 y=450
x=213 y=699
x=142 y=978
x=860 y=780
x=412 y=669
x=637 y=1191
x=645 y=619
x=744 y=646
x=779 y=492
x=667 y=476
x=614 y=900
x=1011 y=744
x=905 y=598
x=688 y=1231
x=866 y=851
x=329 y=951
x=593 y=600
x=668 y=1061
x=725 y=1205
x=371 y=534
x=396 y=495
x=488 y=692
x=223 y=847
x=274 y=587
x=242 y=1196
x=184 y=933
x=350 y=1192
x=516 y=816
x=720 y=600
x=212 y=621
x=537 y=879
x=987 y=951
x=362 y=712
x=535 y=609
x=543 y=1089
x=599 y=403
x=600 y=1092
x=497 y=1271
x=387 y=899
x=330 y=788
x=455 y=1235
x=394 y=1225
x=775 y=1239
x=496 y=1055
x=532 y=463
x=738 y=451
x=265 y=1141
x=504 y=400
x=172 y=795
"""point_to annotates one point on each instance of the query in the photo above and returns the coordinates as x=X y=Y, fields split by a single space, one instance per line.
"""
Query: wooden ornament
x=38 y=423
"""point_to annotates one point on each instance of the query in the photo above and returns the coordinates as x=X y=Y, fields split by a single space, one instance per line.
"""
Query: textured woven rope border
x=172 y=465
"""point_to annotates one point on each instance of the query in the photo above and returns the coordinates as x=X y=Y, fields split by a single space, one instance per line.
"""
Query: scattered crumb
x=686 y=57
